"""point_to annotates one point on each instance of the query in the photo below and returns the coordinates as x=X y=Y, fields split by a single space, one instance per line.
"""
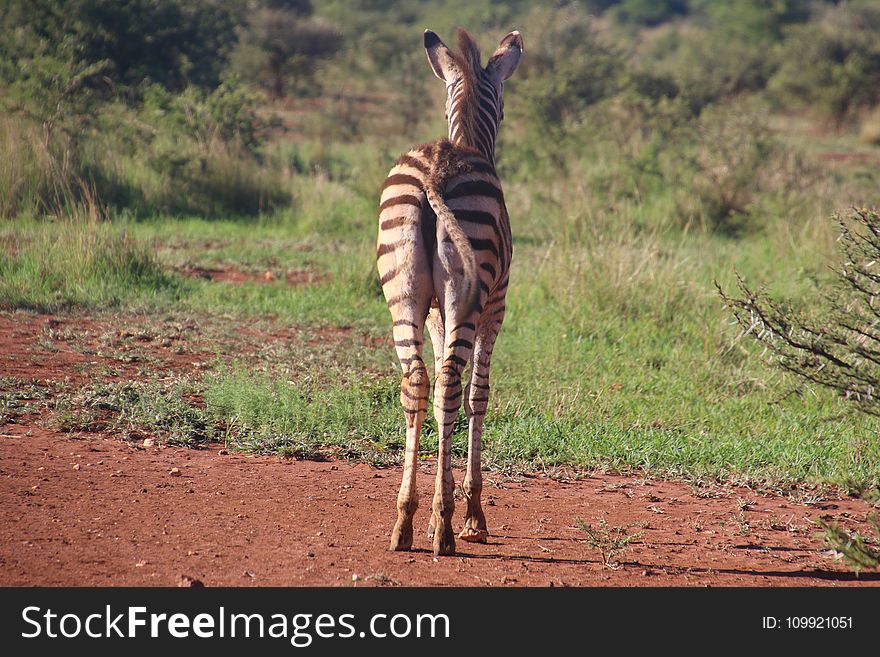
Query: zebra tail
x=462 y=244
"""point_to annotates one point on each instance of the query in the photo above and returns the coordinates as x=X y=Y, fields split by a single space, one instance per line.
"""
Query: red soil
x=235 y=276
x=92 y=509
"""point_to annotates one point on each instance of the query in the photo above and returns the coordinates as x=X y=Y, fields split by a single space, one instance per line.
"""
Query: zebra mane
x=468 y=51
x=468 y=60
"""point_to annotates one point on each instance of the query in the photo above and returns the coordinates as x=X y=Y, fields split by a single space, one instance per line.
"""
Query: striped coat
x=444 y=251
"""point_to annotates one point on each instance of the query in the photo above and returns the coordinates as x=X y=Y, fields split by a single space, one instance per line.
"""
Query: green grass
x=132 y=409
x=21 y=396
x=77 y=262
x=616 y=352
x=747 y=439
x=357 y=417
x=616 y=355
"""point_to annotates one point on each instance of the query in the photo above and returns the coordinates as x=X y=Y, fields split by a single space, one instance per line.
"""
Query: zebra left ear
x=441 y=59
x=505 y=59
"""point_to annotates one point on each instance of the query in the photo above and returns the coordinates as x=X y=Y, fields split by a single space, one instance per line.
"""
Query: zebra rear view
x=444 y=252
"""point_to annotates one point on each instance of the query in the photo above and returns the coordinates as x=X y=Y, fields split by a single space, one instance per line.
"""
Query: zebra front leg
x=476 y=403
x=414 y=398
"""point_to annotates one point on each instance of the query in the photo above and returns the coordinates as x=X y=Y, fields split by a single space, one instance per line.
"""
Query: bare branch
x=835 y=350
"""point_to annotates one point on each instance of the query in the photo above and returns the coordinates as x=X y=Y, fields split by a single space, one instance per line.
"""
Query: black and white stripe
x=444 y=250
x=489 y=113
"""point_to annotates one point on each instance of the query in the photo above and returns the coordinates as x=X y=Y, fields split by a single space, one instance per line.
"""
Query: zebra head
x=474 y=103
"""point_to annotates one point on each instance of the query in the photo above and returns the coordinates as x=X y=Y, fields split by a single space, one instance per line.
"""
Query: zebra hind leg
x=437 y=333
x=476 y=402
x=414 y=398
x=447 y=401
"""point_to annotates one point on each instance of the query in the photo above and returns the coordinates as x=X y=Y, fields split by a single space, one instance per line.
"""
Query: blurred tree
x=598 y=6
x=49 y=81
x=707 y=66
x=301 y=7
x=171 y=42
x=724 y=49
x=751 y=20
x=832 y=62
x=568 y=67
x=647 y=12
x=280 y=45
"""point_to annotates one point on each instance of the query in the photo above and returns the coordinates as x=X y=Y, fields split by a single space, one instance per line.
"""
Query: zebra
x=443 y=255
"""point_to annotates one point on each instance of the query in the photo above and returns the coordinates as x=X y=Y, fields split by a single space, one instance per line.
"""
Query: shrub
x=647 y=12
x=708 y=65
x=839 y=349
x=857 y=550
x=730 y=154
x=832 y=63
x=279 y=47
x=568 y=69
x=869 y=130
x=169 y=42
x=227 y=113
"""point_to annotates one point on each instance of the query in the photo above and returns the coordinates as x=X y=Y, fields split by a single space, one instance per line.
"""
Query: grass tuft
x=353 y=419
x=78 y=262
x=610 y=541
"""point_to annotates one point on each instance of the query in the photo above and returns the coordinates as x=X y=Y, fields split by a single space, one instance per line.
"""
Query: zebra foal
x=443 y=255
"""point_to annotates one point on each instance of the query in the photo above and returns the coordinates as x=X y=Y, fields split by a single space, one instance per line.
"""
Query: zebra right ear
x=505 y=59
x=440 y=58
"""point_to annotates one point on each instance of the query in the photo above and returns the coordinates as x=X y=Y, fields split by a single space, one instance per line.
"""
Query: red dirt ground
x=235 y=276
x=92 y=509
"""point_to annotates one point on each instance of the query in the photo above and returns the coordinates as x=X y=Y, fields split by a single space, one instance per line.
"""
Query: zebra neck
x=473 y=118
x=485 y=148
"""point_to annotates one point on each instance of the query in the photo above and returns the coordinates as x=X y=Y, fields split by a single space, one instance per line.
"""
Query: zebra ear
x=440 y=58
x=505 y=59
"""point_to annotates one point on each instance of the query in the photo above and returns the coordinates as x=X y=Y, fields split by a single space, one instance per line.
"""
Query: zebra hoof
x=472 y=535
x=444 y=543
x=401 y=539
